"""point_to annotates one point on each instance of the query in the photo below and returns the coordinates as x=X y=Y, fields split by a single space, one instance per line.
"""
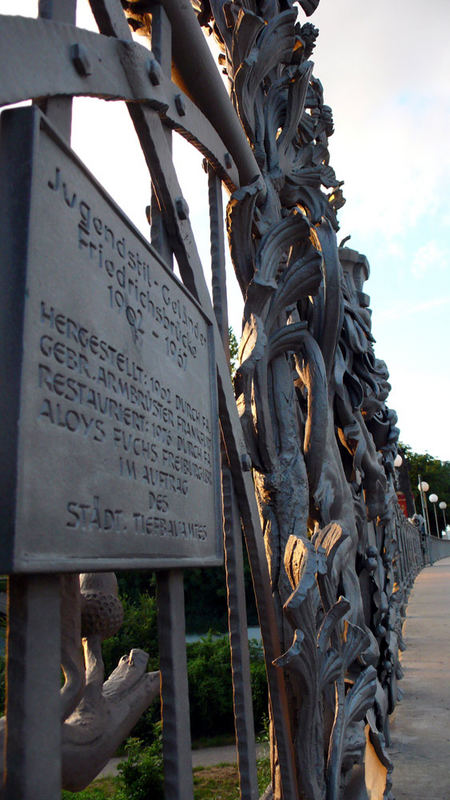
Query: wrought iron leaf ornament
x=311 y=397
x=304 y=427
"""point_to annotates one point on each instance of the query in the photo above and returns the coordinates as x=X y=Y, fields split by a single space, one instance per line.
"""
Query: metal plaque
x=109 y=423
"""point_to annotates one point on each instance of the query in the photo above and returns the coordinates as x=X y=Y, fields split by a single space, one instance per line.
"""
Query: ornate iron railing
x=311 y=436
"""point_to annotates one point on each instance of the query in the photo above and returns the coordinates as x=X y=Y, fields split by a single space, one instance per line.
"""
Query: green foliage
x=133 y=584
x=215 y=782
x=139 y=629
x=210 y=686
x=101 y=789
x=435 y=472
x=141 y=775
x=258 y=679
x=205 y=596
x=220 y=781
x=264 y=774
x=234 y=351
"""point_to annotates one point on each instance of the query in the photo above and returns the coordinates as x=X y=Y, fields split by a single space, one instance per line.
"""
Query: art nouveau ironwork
x=308 y=442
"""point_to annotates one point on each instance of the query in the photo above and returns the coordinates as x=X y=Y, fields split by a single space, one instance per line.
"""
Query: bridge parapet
x=440 y=548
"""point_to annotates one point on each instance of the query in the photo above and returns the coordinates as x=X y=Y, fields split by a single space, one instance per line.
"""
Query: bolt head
x=80 y=60
x=182 y=208
x=180 y=105
x=246 y=462
x=153 y=71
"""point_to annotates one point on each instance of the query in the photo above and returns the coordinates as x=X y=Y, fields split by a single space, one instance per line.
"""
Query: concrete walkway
x=420 y=725
x=208 y=757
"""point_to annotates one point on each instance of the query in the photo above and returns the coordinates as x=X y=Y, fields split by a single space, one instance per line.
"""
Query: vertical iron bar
x=178 y=783
x=234 y=562
x=162 y=50
x=437 y=523
x=427 y=515
x=59 y=109
x=240 y=657
x=33 y=706
x=219 y=286
x=424 y=515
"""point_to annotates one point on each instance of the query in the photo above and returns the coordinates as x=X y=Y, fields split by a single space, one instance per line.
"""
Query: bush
x=258 y=679
x=139 y=629
x=141 y=776
x=210 y=686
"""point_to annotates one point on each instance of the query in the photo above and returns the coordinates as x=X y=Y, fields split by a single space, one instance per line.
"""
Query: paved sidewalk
x=420 y=725
x=208 y=757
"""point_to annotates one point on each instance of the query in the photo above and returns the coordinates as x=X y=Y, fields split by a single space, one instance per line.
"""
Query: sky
x=385 y=69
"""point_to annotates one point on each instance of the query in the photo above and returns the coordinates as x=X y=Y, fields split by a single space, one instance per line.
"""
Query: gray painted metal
x=35 y=644
x=237 y=615
x=33 y=706
x=178 y=783
x=36 y=62
x=440 y=548
x=307 y=370
x=117 y=370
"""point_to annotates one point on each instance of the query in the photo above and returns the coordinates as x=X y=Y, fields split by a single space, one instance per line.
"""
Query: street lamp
x=443 y=506
x=423 y=487
x=398 y=461
x=433 y=498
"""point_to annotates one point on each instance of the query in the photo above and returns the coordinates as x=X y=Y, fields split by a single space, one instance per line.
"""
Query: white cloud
x=389 y=94
x=431 y=257
x=405 y=309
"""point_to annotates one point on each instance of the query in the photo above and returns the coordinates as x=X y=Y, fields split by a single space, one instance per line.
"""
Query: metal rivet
x=153 y=71
x=80 y=60
x=180 y=105
x=228 y=161
x=246 y=462
x=182 y=208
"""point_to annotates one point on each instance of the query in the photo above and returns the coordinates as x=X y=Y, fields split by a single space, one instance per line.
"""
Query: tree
x=234 y=351
x=435 y=472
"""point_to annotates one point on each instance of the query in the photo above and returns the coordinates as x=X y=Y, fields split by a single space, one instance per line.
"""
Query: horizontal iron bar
x=36 y=62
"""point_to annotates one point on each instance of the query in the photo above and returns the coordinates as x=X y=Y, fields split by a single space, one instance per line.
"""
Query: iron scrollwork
x=312 y=401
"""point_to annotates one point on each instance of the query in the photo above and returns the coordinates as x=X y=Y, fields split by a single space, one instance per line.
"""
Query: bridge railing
x=297 y=455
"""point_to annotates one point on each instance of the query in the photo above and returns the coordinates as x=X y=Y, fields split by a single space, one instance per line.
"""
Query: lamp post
x=433 y=498
x=398 y=461
x=424 y=487
x=443 y=506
